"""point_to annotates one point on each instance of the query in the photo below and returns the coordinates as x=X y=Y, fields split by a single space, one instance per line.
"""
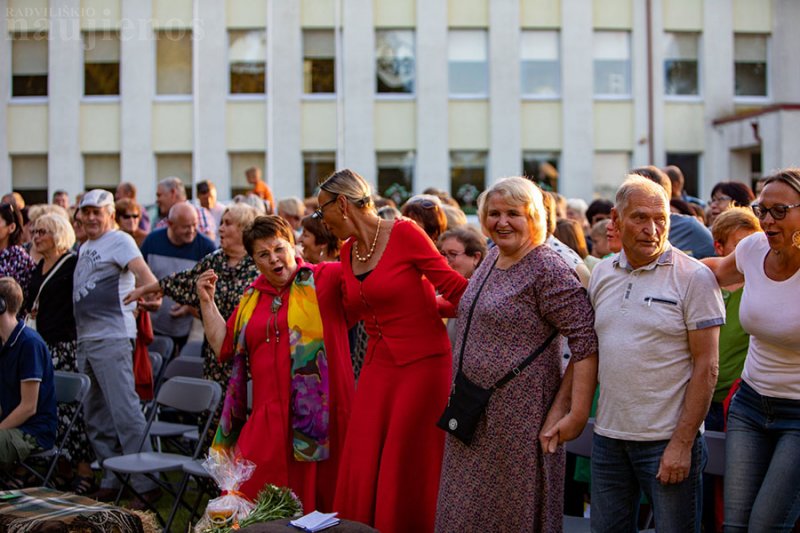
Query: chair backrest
x=192 y=395
x=156 y=361
x=582 y=446
x=715 y=440
x=191 y=367
x=192 y=349
x=163 y=345
x=71 y=387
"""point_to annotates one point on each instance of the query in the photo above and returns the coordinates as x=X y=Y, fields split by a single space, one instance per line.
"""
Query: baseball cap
x=97 y=198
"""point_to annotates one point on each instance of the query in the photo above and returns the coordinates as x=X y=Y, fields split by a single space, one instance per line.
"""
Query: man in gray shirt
x=657 y=317
x=109 y=267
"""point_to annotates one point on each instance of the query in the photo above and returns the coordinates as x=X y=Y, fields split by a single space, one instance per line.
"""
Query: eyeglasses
x=452 y=255
x=317 y=214
x=778 y=212
x=39 y=232
x=128 y=216
x=721 y=199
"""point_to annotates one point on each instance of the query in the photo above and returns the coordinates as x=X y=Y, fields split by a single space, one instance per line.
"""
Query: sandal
x=82 y=485
x=19 y=481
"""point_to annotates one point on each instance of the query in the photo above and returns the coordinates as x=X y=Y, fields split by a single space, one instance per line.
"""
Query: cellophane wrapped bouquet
x=229 y=470
x=233 y=510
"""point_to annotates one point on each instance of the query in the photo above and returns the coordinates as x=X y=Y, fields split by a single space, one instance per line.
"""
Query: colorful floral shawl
x=309 y=400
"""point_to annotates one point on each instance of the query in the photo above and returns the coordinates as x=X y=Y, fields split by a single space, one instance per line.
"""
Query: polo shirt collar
x=15 y=333
x=621 y=261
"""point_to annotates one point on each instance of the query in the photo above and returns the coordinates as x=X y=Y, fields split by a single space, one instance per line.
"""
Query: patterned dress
x=503 y=481
x=15 y=262
x=231 y=283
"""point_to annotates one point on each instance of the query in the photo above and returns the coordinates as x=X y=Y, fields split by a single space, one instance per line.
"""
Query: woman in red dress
x=295 y=433
x=389 y=476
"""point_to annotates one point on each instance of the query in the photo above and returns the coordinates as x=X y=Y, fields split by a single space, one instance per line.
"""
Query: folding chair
x=163 y=345
x=191 y=367
x=71 y=388
x=192 y=349
x=715 y=441
x=194 y=469
x=582 y=447
x=191 y=395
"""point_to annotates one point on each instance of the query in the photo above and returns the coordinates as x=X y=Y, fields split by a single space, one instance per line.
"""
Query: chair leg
x=178 y=501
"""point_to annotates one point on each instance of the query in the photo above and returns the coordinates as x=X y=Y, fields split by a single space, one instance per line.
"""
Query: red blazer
x=397 y=300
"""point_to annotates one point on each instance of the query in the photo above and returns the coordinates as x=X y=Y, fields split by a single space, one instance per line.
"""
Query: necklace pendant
x=276 y=304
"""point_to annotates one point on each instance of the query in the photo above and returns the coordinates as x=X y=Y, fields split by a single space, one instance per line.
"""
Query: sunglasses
x=39 y=232
x=318 y=214
x=128 y=216
x=425 y=204
x=778 y=212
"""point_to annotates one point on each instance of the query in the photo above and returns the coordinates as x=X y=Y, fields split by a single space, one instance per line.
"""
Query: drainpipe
x=650 y=132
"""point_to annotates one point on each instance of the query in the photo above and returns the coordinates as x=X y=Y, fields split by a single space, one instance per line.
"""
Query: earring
x=796 y=239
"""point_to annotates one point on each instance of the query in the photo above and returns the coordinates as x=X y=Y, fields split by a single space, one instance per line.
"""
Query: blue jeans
x=621 y=469
x=762 y=463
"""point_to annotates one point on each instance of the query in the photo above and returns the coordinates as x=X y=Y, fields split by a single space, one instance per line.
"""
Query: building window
x=101 y=171
x=178 y=165
x=750 y=65
x=247 y=55
x=467 y=178
x=174 y=62
x=541 y=168
x=29 y=177
x=395 y=66
x=609 y=170
x=690 y=166
x=240 y=162
x=540 y=67
x=316 y=167
x=468 y=70
x=100 y=63
x=319 y=61
x=29 y=64
x=396 y=175
x=612 y=63
x=680 y=64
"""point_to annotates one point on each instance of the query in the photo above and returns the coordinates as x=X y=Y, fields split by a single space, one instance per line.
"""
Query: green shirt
x=733 y=344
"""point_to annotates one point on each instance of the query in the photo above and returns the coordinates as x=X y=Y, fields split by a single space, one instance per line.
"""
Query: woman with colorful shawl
x=290 y=329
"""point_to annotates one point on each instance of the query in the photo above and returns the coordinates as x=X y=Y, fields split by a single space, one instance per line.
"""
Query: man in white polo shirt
x=658 y=313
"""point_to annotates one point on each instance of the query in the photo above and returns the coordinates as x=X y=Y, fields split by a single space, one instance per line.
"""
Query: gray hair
x=635 y=183
x=173 y=183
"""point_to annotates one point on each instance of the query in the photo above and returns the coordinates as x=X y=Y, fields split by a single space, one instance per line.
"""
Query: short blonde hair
x=59 y=227
x=734 y=219
x=519 y=192
x=37 y=210
x=242 y=214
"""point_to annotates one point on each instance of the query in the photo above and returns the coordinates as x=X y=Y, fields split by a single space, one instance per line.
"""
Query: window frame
x=754 y=99
x=541 y=97
x=100 y=97
x=469 y=96
x=700 y=86
x=244 y=96
x=26 y=99
x=612 y=96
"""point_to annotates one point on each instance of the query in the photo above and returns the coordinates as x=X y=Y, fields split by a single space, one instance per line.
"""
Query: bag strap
x=469 y=315
x=46 y=279
x=520 y=367
x=530 y=359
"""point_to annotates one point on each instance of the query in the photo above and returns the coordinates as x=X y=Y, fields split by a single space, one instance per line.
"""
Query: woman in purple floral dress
x=504 y=480
x=14 y=260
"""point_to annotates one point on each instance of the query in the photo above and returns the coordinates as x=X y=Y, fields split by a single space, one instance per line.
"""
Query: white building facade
x=410 y=93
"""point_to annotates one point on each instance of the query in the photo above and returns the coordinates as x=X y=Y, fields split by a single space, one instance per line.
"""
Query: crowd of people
x=364 y=327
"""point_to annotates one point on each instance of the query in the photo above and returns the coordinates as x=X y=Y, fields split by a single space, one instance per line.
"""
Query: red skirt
x=392 y=458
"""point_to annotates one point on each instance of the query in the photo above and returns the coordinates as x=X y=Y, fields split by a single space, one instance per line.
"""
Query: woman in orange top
x=389 y=476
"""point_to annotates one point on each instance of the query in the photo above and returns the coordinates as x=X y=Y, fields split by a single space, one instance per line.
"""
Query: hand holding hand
x=566 y=428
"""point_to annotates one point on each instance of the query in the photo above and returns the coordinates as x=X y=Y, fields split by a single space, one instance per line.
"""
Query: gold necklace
x=371 y=248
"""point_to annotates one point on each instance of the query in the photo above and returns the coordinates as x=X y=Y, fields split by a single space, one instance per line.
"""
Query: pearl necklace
x=371 y=248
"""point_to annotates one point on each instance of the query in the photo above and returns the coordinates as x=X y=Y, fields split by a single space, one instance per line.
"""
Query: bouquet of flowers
x=273 y=503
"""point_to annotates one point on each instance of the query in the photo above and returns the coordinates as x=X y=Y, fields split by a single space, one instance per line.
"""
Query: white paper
x=316 y=521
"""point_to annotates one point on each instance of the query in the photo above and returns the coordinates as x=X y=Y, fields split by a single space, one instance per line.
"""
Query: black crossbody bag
x=468 y=401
